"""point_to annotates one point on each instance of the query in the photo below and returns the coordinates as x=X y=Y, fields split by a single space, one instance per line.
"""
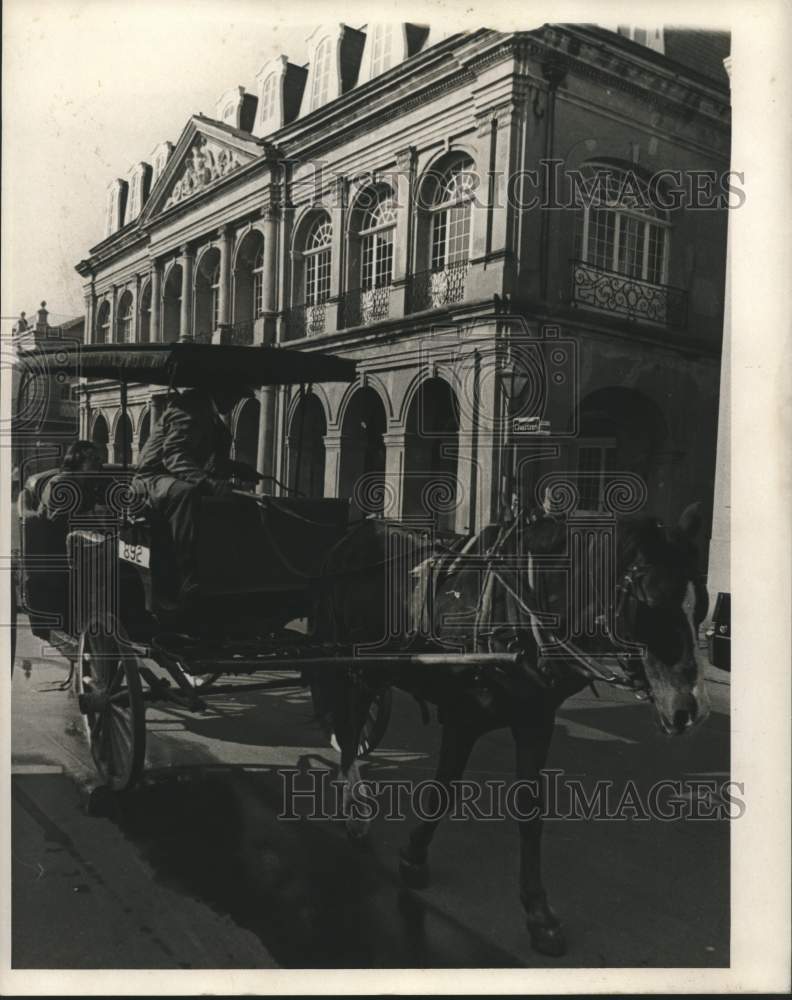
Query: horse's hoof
x=548 y=940
x=414 y=875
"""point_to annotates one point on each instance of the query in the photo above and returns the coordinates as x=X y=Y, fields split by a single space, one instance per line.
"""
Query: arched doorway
x=122 y=441
x=145 y=430
x=207 y=295
x=431 y=455
x=246 y=432
x=363 y=452
x=171 y=304
x=620 y=430
x=100 y=436
x=307 y=459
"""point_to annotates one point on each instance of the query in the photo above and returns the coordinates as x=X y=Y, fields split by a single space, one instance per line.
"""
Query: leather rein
x=629 y=674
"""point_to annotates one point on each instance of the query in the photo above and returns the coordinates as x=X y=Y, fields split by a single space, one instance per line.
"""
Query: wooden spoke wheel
x=110 y=695
x=376 y=723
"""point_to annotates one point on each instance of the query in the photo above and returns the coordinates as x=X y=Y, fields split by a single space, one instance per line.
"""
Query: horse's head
x=661 y=604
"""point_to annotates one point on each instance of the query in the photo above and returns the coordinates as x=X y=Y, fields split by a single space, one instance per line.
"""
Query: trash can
x=719 y=633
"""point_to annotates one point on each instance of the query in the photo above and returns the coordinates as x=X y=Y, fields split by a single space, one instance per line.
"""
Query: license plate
x=137 y=554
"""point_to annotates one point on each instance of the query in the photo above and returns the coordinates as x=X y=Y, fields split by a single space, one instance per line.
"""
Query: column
x=187 y=260
x=90 y=316
x=155 y=321
x=394 y=441
x=267 y=394
x=405 y=196
x=225 y=246
x=112 y=332
x=338 y=282
x=269 y=303
x=332 y=446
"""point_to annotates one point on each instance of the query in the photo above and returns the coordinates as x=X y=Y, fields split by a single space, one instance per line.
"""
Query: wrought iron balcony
x=363 y=306
x=438 y=287
x=307 y=320
x=632 y=297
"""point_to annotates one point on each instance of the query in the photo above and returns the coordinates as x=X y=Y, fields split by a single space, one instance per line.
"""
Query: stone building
x=46 y=420
x=423 y=203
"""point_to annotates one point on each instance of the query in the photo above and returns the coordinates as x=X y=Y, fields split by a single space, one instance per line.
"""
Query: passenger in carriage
x=187 y=458
x=75 y=490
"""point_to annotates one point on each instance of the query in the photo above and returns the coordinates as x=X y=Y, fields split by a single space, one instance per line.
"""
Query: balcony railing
x=632 y=297
x=241 y=332
x=363 y=306
x=438 y=287
x=307 y=320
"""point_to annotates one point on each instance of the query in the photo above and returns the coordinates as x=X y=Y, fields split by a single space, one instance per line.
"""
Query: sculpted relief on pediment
x=206 y=162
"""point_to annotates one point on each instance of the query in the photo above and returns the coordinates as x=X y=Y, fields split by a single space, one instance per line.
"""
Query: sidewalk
x=82 y=897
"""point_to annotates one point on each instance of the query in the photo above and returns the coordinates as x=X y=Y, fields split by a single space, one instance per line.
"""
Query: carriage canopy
x=187 y=364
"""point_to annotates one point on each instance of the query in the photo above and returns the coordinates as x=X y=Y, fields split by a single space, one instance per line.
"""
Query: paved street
x=194 y=869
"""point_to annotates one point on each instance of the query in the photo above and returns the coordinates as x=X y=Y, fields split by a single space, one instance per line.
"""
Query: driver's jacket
x=189 y=444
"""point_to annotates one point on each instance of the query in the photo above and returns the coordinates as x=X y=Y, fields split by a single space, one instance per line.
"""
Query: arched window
x=215 y=293
x=126 y=318
x=248 y=298
x=381 y=48
x=171 y=304
x=258 y=284
x=451 y=215
x=376 y=243
x=269 y=93
x=317 y=262
x=618 y=227
x=145 y=315
x=320 y=87
x=103 y=324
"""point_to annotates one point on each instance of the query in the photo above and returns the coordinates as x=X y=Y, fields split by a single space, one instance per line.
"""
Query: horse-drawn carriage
x=486 y=652
x=100 y=589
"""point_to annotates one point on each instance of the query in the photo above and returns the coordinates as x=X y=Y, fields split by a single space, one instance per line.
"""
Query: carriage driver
x=186 y=458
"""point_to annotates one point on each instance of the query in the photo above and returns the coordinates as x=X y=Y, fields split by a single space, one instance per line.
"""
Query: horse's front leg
x=456 y=743
x=350 y=709
x=532 y=743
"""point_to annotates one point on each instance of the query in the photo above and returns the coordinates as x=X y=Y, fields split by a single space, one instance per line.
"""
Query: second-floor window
x=215 y=291
x=320 y=87
x=620 y=231
x=376 y=243
x=317 y=262
x=258 y=284
x=126 y=319
x=103 y=324
x=451 y=216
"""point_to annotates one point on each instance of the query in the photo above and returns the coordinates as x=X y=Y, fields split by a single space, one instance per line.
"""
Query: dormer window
x=381 y=48
x=320 y=89
x=269 y=95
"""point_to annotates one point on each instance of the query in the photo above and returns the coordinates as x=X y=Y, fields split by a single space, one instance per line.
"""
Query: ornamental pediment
x=206 y=153
x=205 y=162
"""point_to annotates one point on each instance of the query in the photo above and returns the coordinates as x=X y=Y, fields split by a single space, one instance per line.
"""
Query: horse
x=386 y=588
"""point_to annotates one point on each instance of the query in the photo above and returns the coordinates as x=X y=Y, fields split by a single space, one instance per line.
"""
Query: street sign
x=530 y=425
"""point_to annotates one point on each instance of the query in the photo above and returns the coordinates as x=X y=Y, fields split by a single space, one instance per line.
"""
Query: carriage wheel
x=111 y=699
x=376 y=723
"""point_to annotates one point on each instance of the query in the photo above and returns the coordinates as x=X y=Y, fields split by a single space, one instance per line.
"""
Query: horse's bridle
x=630 y=593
